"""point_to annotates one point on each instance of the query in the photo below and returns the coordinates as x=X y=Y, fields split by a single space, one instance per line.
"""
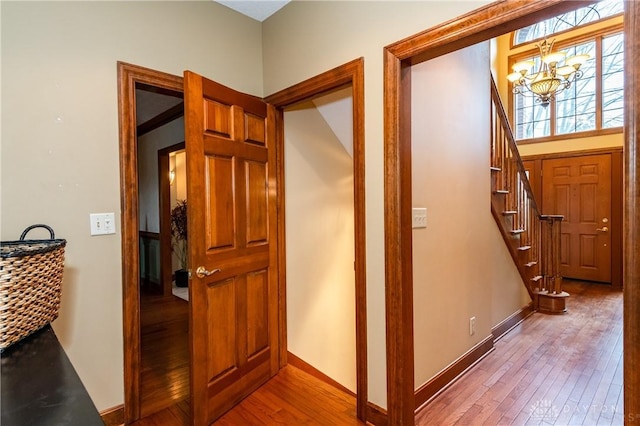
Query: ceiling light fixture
x=551 y=78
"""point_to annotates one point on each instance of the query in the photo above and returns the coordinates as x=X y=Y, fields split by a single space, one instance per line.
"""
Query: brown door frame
x=128 y=75
x=164 y=190
x=351 y=73
x=476 y=26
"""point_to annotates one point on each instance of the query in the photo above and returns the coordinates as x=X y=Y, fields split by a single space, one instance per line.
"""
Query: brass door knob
x=603 y=229
x=202 y=272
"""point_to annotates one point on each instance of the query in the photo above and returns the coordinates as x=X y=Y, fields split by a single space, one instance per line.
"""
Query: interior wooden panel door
x=230 y=139
x=580 y=189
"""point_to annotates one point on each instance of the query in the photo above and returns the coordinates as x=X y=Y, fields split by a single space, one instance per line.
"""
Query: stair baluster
x=533 y=239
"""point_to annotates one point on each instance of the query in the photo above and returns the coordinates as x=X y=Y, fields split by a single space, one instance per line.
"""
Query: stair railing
x=533 y=239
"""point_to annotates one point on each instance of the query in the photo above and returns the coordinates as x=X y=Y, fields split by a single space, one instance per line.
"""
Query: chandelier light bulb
x=515 y=76
x=565 y=71
x=523 y=66
x=553 y=58
x=577 y=61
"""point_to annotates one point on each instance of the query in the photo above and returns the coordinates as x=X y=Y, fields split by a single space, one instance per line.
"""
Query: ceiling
x=256 y=9
x=150 y=104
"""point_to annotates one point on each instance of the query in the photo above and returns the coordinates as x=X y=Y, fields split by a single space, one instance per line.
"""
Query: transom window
x=592 y=103
x=583 y=16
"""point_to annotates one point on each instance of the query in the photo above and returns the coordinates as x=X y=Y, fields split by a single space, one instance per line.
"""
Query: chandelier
x=551 y=78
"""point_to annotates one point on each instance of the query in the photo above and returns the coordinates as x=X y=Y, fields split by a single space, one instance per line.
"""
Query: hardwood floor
x=164 y=351
x=292 y=397
x=550 y=370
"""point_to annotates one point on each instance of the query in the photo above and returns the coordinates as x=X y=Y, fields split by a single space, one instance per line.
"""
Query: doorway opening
x=467 y=30
x=164 y=321
x=150 y=111
x=129 y=76
x=319 y=177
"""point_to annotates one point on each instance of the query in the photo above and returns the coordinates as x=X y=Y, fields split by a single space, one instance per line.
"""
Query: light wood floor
x=550 y=370
x=164 y=343
x=292 y=397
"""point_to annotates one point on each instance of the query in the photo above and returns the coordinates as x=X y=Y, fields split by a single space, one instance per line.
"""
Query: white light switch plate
x=102 y=223
x=419 y=217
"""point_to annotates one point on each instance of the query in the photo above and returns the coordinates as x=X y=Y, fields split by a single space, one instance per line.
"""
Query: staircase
x=533 y=239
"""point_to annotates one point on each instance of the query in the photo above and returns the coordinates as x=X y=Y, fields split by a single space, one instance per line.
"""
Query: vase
x=182 y=278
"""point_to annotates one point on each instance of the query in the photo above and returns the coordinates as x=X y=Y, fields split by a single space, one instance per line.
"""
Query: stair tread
x=524 y=248
x=509 y=212
x=495 y=169
x=501 y=191
x=517 y=231
x=530 y=264
x=536 y=278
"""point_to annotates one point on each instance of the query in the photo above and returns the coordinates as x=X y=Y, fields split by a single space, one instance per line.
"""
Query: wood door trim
x=164 y=210
x=351 y=73
x=631 y=236
x=617 y=204
x=128 y=76
x=489 y=21
x=578 y=153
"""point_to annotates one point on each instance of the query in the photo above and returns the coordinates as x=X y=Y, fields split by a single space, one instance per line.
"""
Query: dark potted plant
x=179 y=241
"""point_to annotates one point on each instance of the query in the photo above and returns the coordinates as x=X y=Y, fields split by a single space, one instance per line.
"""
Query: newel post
x=552 y=299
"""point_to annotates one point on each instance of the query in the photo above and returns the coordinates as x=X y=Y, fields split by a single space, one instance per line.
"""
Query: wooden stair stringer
x=513 y=244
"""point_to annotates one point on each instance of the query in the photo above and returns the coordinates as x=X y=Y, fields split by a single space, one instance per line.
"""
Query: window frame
x=532 y=50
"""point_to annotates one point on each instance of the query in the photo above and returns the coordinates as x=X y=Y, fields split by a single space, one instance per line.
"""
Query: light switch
x=102 y=223
x=419 y=217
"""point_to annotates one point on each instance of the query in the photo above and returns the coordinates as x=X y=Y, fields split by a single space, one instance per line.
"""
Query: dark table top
x=40 y=386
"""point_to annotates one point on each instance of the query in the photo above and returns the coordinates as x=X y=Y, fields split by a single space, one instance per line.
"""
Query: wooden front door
x=230 y=139
x=580 y=189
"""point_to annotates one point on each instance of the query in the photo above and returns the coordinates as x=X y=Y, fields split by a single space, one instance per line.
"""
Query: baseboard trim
x=455 y=370
x=513 y=320
x=113 y=416
x=310 y=369
x=376 y=415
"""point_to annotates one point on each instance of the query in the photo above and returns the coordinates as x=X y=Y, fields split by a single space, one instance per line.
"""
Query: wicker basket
x=30 y=285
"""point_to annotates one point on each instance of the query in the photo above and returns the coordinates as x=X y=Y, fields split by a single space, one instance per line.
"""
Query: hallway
x=549 y=370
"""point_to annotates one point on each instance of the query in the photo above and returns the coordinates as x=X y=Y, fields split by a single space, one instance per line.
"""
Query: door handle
x=603 y=229
x=201 y=272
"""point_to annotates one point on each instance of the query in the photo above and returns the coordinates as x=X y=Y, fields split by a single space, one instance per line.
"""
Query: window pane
x=612 y=100
x=582 y=16
x=585 y=122
x=613 y=81
x=524 y=131
x=576 y=105
x=585 y=86
x=531 y=121
x=613 y=63
x=612 y=44
x=613 y=118
x=541 y=129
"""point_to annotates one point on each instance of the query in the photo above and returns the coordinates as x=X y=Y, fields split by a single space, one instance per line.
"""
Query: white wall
x=148 y=146
x=461 y=267
x=59 y=61
x=329 y=34
x=320 y=246
x=60 y=157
